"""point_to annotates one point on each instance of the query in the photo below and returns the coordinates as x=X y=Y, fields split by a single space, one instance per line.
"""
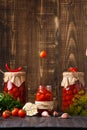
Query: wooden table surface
x=41 y=122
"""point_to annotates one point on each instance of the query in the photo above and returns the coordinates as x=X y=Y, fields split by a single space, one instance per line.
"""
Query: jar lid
x=15 y=77
x=69 y=78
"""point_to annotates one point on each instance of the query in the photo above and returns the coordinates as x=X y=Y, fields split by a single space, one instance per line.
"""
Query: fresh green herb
x=8 y=103
x=79 y=106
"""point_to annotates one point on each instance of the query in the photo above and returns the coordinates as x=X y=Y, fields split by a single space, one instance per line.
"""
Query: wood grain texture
x=59 y=27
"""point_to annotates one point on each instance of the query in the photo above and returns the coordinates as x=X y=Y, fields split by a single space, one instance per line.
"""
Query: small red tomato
x=6 y=114
x=43 y=54
x=21 y=113
x=15 y=112
x=73 y=69
x=41 y=97
x=69 y=92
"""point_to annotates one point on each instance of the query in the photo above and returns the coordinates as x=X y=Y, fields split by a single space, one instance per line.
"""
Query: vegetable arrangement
x=14 y=83
x=10 y=107
x=15 y=112
x=8 y=103
x=79 y=106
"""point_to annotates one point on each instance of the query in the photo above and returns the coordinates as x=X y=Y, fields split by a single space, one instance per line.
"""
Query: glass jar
x=44 y=99
x=14 y=84
x=72 y=85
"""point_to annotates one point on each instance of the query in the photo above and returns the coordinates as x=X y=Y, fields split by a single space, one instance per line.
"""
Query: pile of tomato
x=18 y=93
x=69 y=93
x=44 y=94
x=15 y=112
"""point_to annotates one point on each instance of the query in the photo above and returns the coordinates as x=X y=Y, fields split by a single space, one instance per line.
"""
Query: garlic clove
x=65 y=116
x=45 y=114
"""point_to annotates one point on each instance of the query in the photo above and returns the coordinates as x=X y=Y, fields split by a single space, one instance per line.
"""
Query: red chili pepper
x=13 y=70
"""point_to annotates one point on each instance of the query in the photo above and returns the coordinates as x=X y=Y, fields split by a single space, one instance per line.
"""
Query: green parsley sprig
x=8 y=103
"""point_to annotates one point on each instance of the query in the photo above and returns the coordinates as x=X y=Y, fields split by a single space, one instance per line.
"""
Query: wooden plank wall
x=57 y=26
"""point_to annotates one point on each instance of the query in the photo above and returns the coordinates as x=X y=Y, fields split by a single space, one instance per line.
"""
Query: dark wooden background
x=57 y=26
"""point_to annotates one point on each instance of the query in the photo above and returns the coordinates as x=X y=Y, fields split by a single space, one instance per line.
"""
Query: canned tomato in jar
x=14 y=84
x=72 y=86
x=44 y=99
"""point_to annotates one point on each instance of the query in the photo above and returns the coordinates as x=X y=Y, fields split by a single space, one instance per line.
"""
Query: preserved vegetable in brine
x=72 y=85
x=44 y=99
x=14 y=84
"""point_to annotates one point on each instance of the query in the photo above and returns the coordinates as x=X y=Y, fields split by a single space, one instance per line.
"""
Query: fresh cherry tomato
x=43 y=54
x=21 y=113
x=15 y=112
x=6 y=114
